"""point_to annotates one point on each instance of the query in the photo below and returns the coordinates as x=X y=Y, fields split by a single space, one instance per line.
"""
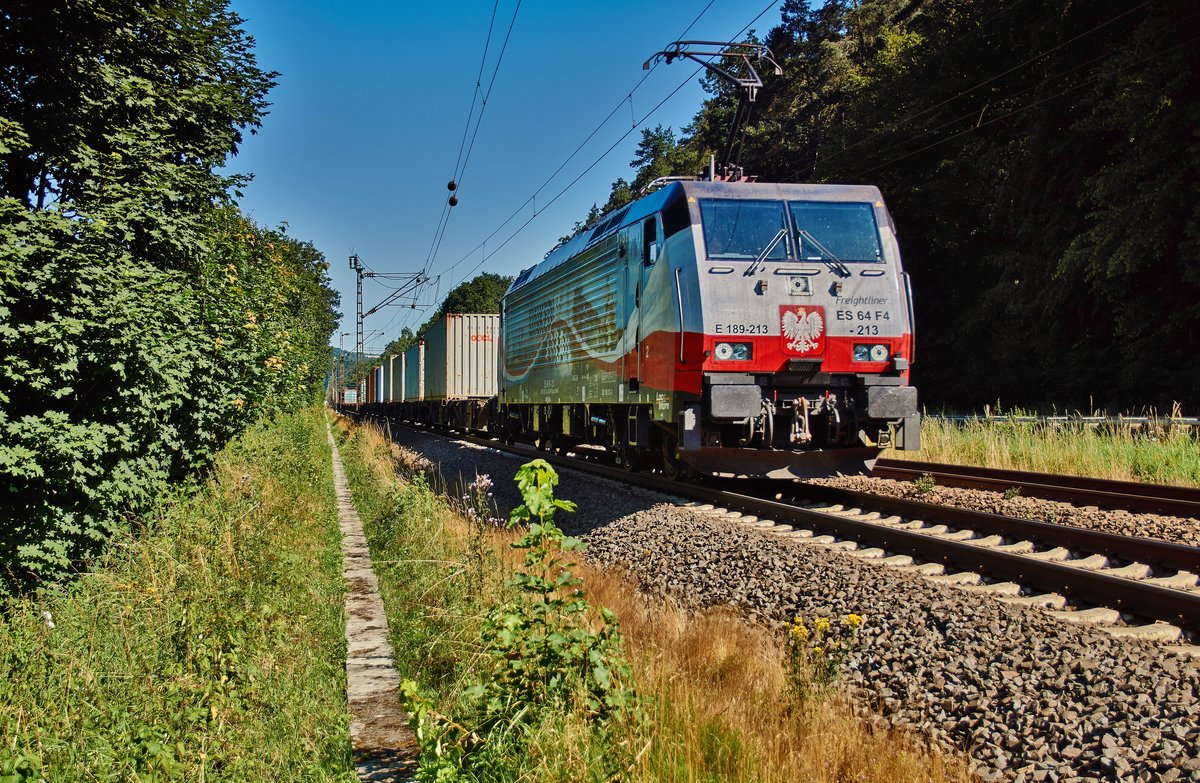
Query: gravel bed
x=1029 y=698
x=1180 y=530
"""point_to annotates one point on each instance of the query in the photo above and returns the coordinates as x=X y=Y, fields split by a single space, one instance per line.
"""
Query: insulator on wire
x=451 y=185
x=454 y=201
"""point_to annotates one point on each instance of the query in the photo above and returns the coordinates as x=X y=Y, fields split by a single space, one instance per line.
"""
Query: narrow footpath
x=385 y=750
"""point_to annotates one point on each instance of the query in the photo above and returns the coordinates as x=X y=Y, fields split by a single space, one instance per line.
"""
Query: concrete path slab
x=385 y=750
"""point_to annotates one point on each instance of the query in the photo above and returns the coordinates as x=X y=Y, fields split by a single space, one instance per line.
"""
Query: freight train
x=713 y=327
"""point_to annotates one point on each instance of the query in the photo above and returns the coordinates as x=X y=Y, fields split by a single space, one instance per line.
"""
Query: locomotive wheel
x=672 y=466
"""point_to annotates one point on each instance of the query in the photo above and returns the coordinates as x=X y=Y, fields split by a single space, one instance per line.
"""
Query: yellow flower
x=238 y=403
x=821 y=624
x=218 y=342
x=854 y=620
x=273 y=363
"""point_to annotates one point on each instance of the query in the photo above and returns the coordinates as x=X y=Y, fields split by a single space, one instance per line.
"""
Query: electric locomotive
x=721 y=327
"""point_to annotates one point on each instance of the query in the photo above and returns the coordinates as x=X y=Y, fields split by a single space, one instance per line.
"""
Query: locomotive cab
x=807 y=330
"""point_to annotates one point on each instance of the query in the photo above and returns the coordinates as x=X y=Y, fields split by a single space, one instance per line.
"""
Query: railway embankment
x=717 y=697
x=1026 y=696
x=207 y=646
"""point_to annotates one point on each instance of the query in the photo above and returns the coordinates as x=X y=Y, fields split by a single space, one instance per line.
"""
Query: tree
x=142 y=320
x=480 y=294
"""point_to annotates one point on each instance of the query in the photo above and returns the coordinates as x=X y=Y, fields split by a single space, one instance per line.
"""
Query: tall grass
x=713 y=686
x=208 y=647
x=1154 y=454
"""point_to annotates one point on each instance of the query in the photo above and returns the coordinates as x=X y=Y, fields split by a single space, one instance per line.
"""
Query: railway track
x=1131 y=586
x=1080 y=490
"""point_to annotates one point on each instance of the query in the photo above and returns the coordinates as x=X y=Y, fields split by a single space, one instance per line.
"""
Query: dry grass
x=719 y=710
x=1161 y=454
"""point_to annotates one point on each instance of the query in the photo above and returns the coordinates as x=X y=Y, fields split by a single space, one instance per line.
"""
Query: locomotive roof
x=611 y=222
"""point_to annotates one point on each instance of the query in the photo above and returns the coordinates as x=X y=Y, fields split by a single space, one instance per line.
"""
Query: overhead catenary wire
x=487 y=42
x=1038 y=102
x=461 y=167
x=592 y=165
x=967 y=91
x=408 y=314
x=438 y=279
x=628 y=98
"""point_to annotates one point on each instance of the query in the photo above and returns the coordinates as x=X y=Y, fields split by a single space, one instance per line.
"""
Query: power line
x=967 y=91
x=1038 y=102
x=532 y=199
x=461 y=169
x=407 y=316
x=487 y=42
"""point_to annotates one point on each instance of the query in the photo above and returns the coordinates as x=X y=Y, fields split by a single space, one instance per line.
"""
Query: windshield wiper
x=833 y=262
x=753 y=268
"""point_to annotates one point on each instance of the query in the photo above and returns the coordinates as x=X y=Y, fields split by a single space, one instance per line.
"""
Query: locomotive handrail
x=679 y=299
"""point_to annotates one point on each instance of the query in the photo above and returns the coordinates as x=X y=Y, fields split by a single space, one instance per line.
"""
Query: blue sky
x=367 y=122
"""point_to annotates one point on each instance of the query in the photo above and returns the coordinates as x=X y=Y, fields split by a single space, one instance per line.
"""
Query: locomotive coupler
x=801 y=431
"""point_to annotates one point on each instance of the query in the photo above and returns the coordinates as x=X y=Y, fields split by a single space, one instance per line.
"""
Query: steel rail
x=1080 y=539
x=1137 y=598
x=1081 y=490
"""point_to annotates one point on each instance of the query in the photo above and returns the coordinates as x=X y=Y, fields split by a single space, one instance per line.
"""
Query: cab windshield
x=742 y=229
x=836 y=231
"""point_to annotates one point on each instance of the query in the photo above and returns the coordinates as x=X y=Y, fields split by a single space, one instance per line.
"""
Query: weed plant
x=816 y=653
x=543 y=667
x=207 y=647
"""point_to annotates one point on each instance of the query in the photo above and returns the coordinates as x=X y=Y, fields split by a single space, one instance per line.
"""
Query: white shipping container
x=460 y=357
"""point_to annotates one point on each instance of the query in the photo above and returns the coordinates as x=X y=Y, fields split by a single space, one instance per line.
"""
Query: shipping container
x=385 y=393
x=398 y=378
x=413 y=372
x=389 y=378
x=460 y=357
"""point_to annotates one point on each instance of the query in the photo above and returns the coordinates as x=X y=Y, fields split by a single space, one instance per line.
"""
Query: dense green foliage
x=1041 y=160
x=143 y=321
x=209 y=648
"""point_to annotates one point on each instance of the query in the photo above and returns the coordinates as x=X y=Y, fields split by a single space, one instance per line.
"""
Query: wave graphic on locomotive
x=729 y=328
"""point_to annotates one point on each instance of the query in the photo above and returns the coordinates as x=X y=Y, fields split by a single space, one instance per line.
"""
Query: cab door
x=631 y=343
x=651 y=248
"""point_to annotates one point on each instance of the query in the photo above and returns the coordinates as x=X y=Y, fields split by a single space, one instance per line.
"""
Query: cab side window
x=649 y=241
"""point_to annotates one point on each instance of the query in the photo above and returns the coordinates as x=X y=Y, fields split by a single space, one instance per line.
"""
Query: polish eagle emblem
x=803 y=328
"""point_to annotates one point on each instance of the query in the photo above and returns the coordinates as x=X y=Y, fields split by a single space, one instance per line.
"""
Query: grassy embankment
x=714 y=688
x=209 y=646
x=1158 y=454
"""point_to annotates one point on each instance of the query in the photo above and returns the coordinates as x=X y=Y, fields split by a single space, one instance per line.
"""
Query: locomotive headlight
x=737 y=352
x=871 y=353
